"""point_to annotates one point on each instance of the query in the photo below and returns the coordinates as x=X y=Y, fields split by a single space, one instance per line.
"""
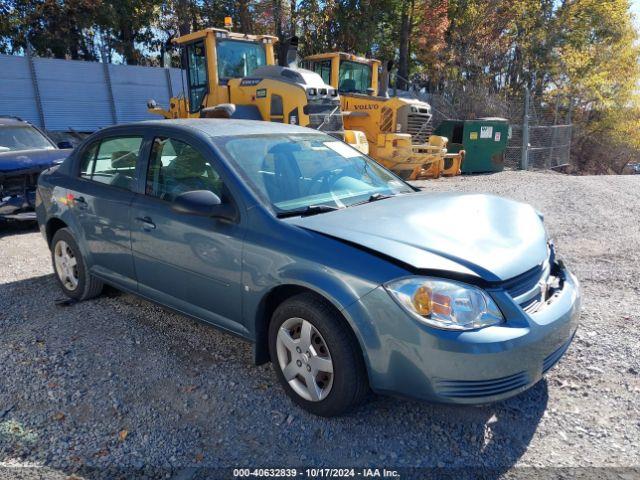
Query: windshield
x=13 y=139
x=297 y=171
x=237 y=58
x=354 y=77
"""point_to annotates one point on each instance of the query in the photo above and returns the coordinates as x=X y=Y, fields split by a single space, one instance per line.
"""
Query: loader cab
x=349 y=74
x=214 y=56
x=231 y=75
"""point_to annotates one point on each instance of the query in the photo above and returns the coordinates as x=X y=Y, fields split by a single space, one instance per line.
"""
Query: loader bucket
x=453 y=164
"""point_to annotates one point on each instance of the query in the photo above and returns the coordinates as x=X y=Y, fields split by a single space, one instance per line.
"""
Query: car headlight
x=444 y=303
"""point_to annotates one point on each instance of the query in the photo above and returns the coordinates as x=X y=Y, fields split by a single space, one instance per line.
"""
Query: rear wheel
x=70 y=268
x=316 y=356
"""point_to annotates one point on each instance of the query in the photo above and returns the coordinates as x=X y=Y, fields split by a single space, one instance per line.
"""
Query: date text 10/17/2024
x=315 y=473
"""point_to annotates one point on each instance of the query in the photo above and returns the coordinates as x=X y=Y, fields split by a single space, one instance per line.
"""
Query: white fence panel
x=18 y=97
x=83 y=96
x=133 y=86
x=74 y=94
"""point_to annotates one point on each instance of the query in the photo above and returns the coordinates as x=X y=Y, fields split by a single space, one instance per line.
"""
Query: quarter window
x=112 y=162
x=176 y=167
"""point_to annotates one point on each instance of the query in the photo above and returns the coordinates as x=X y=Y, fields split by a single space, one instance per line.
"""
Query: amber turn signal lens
x=422 y=301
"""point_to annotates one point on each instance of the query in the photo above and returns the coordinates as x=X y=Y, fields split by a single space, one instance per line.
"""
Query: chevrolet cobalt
x=342 y=275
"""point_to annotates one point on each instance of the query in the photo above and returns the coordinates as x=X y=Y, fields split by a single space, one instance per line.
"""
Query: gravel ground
x=120 y=383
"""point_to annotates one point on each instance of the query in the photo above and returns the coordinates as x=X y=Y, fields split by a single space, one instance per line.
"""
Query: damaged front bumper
x=408 y=358
x=18 y=194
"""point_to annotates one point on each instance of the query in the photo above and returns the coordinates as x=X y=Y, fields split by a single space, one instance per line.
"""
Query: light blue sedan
x=347 y=278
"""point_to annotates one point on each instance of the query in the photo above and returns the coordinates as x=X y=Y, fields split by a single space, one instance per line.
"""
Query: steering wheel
x=324 y=178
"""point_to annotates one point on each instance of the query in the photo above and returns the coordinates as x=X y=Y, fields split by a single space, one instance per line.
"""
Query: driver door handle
x=147 y=223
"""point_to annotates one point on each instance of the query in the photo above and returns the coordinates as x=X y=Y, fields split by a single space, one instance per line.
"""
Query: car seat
x=285 y=182
x=124 y=163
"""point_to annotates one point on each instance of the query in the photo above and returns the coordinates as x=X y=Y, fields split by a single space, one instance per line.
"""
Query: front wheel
x=70 y=268
x=316 y=356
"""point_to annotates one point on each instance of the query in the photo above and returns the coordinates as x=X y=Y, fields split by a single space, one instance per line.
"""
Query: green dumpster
x=484 y=141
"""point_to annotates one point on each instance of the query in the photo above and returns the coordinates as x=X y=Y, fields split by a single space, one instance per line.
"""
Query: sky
x=635 y=8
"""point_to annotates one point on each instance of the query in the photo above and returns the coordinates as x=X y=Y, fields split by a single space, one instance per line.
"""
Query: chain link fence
x=540 y=129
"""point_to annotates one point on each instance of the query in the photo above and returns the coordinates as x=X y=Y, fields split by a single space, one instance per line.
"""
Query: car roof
x=221 y=127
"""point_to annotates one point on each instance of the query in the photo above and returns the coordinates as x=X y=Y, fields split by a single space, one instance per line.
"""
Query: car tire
x=70 y=268
x=331 y=340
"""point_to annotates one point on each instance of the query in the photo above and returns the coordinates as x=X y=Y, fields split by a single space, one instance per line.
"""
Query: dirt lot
x=120 y=383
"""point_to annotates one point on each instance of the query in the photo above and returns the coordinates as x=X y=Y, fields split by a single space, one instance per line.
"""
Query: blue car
x=342 y=275
x=25 y=151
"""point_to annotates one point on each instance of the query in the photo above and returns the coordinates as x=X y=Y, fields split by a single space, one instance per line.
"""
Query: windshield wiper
x=378 y=196
x=308 y=211
x=373 y=198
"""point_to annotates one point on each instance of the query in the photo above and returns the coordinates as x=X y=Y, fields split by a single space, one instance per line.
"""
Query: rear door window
x=112 y=162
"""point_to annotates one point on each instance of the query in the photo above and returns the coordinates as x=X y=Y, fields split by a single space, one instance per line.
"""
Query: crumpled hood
x=473 y=234
x=31 y=159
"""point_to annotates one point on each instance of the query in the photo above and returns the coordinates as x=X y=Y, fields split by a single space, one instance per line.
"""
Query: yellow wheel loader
x=232 y=75
x=398 y=129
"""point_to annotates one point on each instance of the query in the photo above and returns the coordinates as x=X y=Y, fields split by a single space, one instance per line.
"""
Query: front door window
x=176 y=167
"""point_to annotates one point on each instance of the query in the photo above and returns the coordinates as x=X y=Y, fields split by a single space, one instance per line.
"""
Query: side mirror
x=205 y=204
x=65 y=145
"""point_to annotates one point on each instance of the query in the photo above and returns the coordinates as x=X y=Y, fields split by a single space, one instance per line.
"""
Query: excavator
x=398 y=128
x=233 y=75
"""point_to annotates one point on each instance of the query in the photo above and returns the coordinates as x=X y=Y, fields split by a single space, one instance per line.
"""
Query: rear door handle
x=80 y=202
x=147 y=223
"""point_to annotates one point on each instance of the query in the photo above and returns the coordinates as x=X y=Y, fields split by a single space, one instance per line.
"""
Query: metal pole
x=107 y=79
x=167 y=72
x=524 y=162
x=36 y=87
x=570 y=123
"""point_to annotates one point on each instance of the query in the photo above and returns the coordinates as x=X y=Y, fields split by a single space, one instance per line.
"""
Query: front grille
x=18 y=184
x=326 y=123
x=386 y=120
x=480 y=388
x=420 y=127
x=325 y=115
x=536 y=287
x=524 y=282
